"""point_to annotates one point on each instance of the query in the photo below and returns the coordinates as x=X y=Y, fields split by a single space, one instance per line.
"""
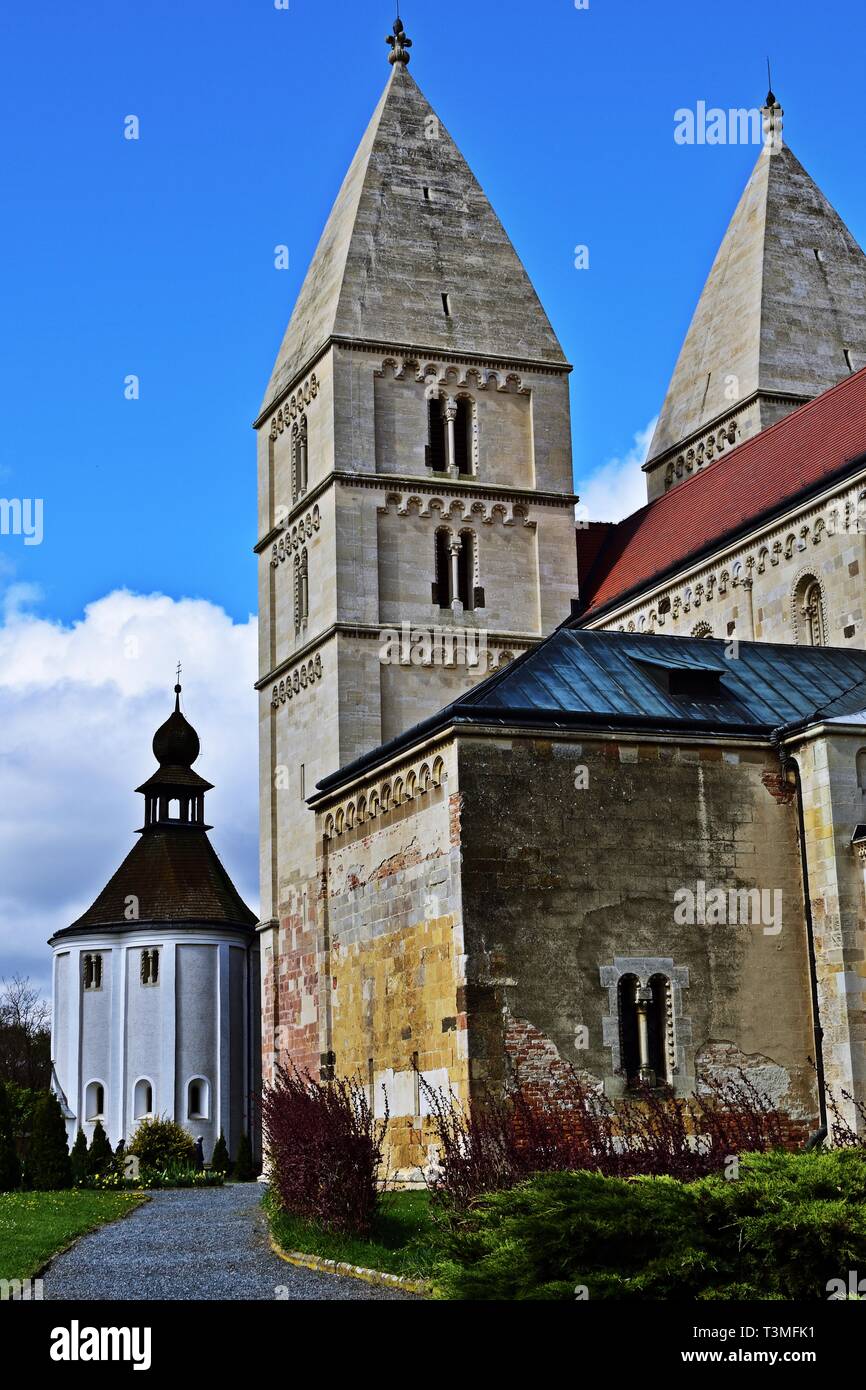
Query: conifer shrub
x=784 y=1227
x=48 y=1164
x=100 y=1154
x=245 y=1169
x=158 y=1142
x=324 y=1150
x=78 y=1158
x=220 y=1158
x=10 y=1168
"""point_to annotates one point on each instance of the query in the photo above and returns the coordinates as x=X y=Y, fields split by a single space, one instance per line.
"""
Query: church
x=156 y=986
x=515 y=819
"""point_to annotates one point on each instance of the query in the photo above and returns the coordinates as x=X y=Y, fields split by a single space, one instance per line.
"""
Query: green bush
x=781 y=1229
x=100 y=1153
x=10 y=1168
x=22 y=1107
x=48 y=1165
x=78 y=1157
x=220 y=1157
x=159 y=1141
x=245 y=1169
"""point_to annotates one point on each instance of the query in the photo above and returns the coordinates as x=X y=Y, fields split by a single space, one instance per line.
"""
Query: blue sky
x=155 y=258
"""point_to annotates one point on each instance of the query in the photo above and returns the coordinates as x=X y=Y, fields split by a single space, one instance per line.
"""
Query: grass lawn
x=35 y=1225
x=402 y=1240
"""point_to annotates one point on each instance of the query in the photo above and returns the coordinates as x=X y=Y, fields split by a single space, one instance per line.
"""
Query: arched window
x=302 y=591
x=94 y=1101
x=92 y=970
x=198 y=1099
x=149 y=968
x=466 y=570
x=442 y=561
x=861 y=770
x=299 y=458
x=436 y=435
x=809 y=612
x=644 y=1012
x=142 y=1099
x=463 y=437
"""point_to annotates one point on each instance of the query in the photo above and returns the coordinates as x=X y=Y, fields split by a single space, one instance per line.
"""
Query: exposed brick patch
x=779 y=787
x=455 y=804
x=395 y=863
x=535 y=1061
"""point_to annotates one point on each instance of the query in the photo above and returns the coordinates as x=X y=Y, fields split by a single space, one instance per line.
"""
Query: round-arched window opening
x=142 y=1101
x=198 y=1099
x=94 y=1101
x=809 y=612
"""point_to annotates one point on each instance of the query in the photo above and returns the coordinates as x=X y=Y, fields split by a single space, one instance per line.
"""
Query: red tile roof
x=797 y=453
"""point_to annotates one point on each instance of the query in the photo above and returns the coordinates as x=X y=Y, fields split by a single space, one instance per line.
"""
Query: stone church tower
x=782 y=318
x=415 y=503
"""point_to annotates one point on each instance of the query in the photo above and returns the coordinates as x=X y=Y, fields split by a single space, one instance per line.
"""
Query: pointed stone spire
x=781 y=318
x=411 y=225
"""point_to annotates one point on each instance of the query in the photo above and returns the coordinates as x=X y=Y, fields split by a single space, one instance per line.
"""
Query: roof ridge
x=740 y=449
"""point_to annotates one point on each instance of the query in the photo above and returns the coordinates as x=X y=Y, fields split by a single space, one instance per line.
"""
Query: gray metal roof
x=580 y=678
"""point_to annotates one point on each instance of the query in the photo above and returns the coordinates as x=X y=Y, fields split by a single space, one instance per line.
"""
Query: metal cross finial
x=177 y=687
x=398 y=43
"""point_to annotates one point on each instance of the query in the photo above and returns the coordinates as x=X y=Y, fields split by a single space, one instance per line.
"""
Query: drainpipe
x=815 y=1140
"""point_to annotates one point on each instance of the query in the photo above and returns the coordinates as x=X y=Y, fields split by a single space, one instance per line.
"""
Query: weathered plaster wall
x=391 y=952
x=565 y=887
x=834 y=804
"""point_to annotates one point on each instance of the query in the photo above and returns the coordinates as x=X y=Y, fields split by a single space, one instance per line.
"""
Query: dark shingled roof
x=177 y=876
x=579 y=678
x=174 y=873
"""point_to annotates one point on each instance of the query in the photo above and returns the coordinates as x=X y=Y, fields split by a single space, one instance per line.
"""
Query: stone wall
x=391 y=951
x=834 y=798
x=573 y=851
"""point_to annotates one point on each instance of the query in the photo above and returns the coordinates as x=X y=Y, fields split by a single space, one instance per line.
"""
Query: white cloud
x=617 y=488
x=79 y=706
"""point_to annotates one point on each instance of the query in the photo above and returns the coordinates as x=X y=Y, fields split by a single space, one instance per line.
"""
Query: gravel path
x=186 y=1244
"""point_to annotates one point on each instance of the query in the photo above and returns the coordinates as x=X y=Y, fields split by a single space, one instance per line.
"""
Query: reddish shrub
x=324 y=1150
x=506 y=1139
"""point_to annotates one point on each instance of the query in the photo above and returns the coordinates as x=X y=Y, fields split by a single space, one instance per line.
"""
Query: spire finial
x=177 y=688
x=772 y=118
x=398 y=42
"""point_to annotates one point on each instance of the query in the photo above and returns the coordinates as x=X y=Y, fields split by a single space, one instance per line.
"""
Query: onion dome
x=176 y=743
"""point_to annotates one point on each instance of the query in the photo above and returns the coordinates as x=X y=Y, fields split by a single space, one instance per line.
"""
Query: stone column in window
x=643 y=999
x=454 y=551
x=749 y=603
x=450 y=420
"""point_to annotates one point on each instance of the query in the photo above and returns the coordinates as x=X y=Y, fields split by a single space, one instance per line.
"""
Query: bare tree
x=25 y=1037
